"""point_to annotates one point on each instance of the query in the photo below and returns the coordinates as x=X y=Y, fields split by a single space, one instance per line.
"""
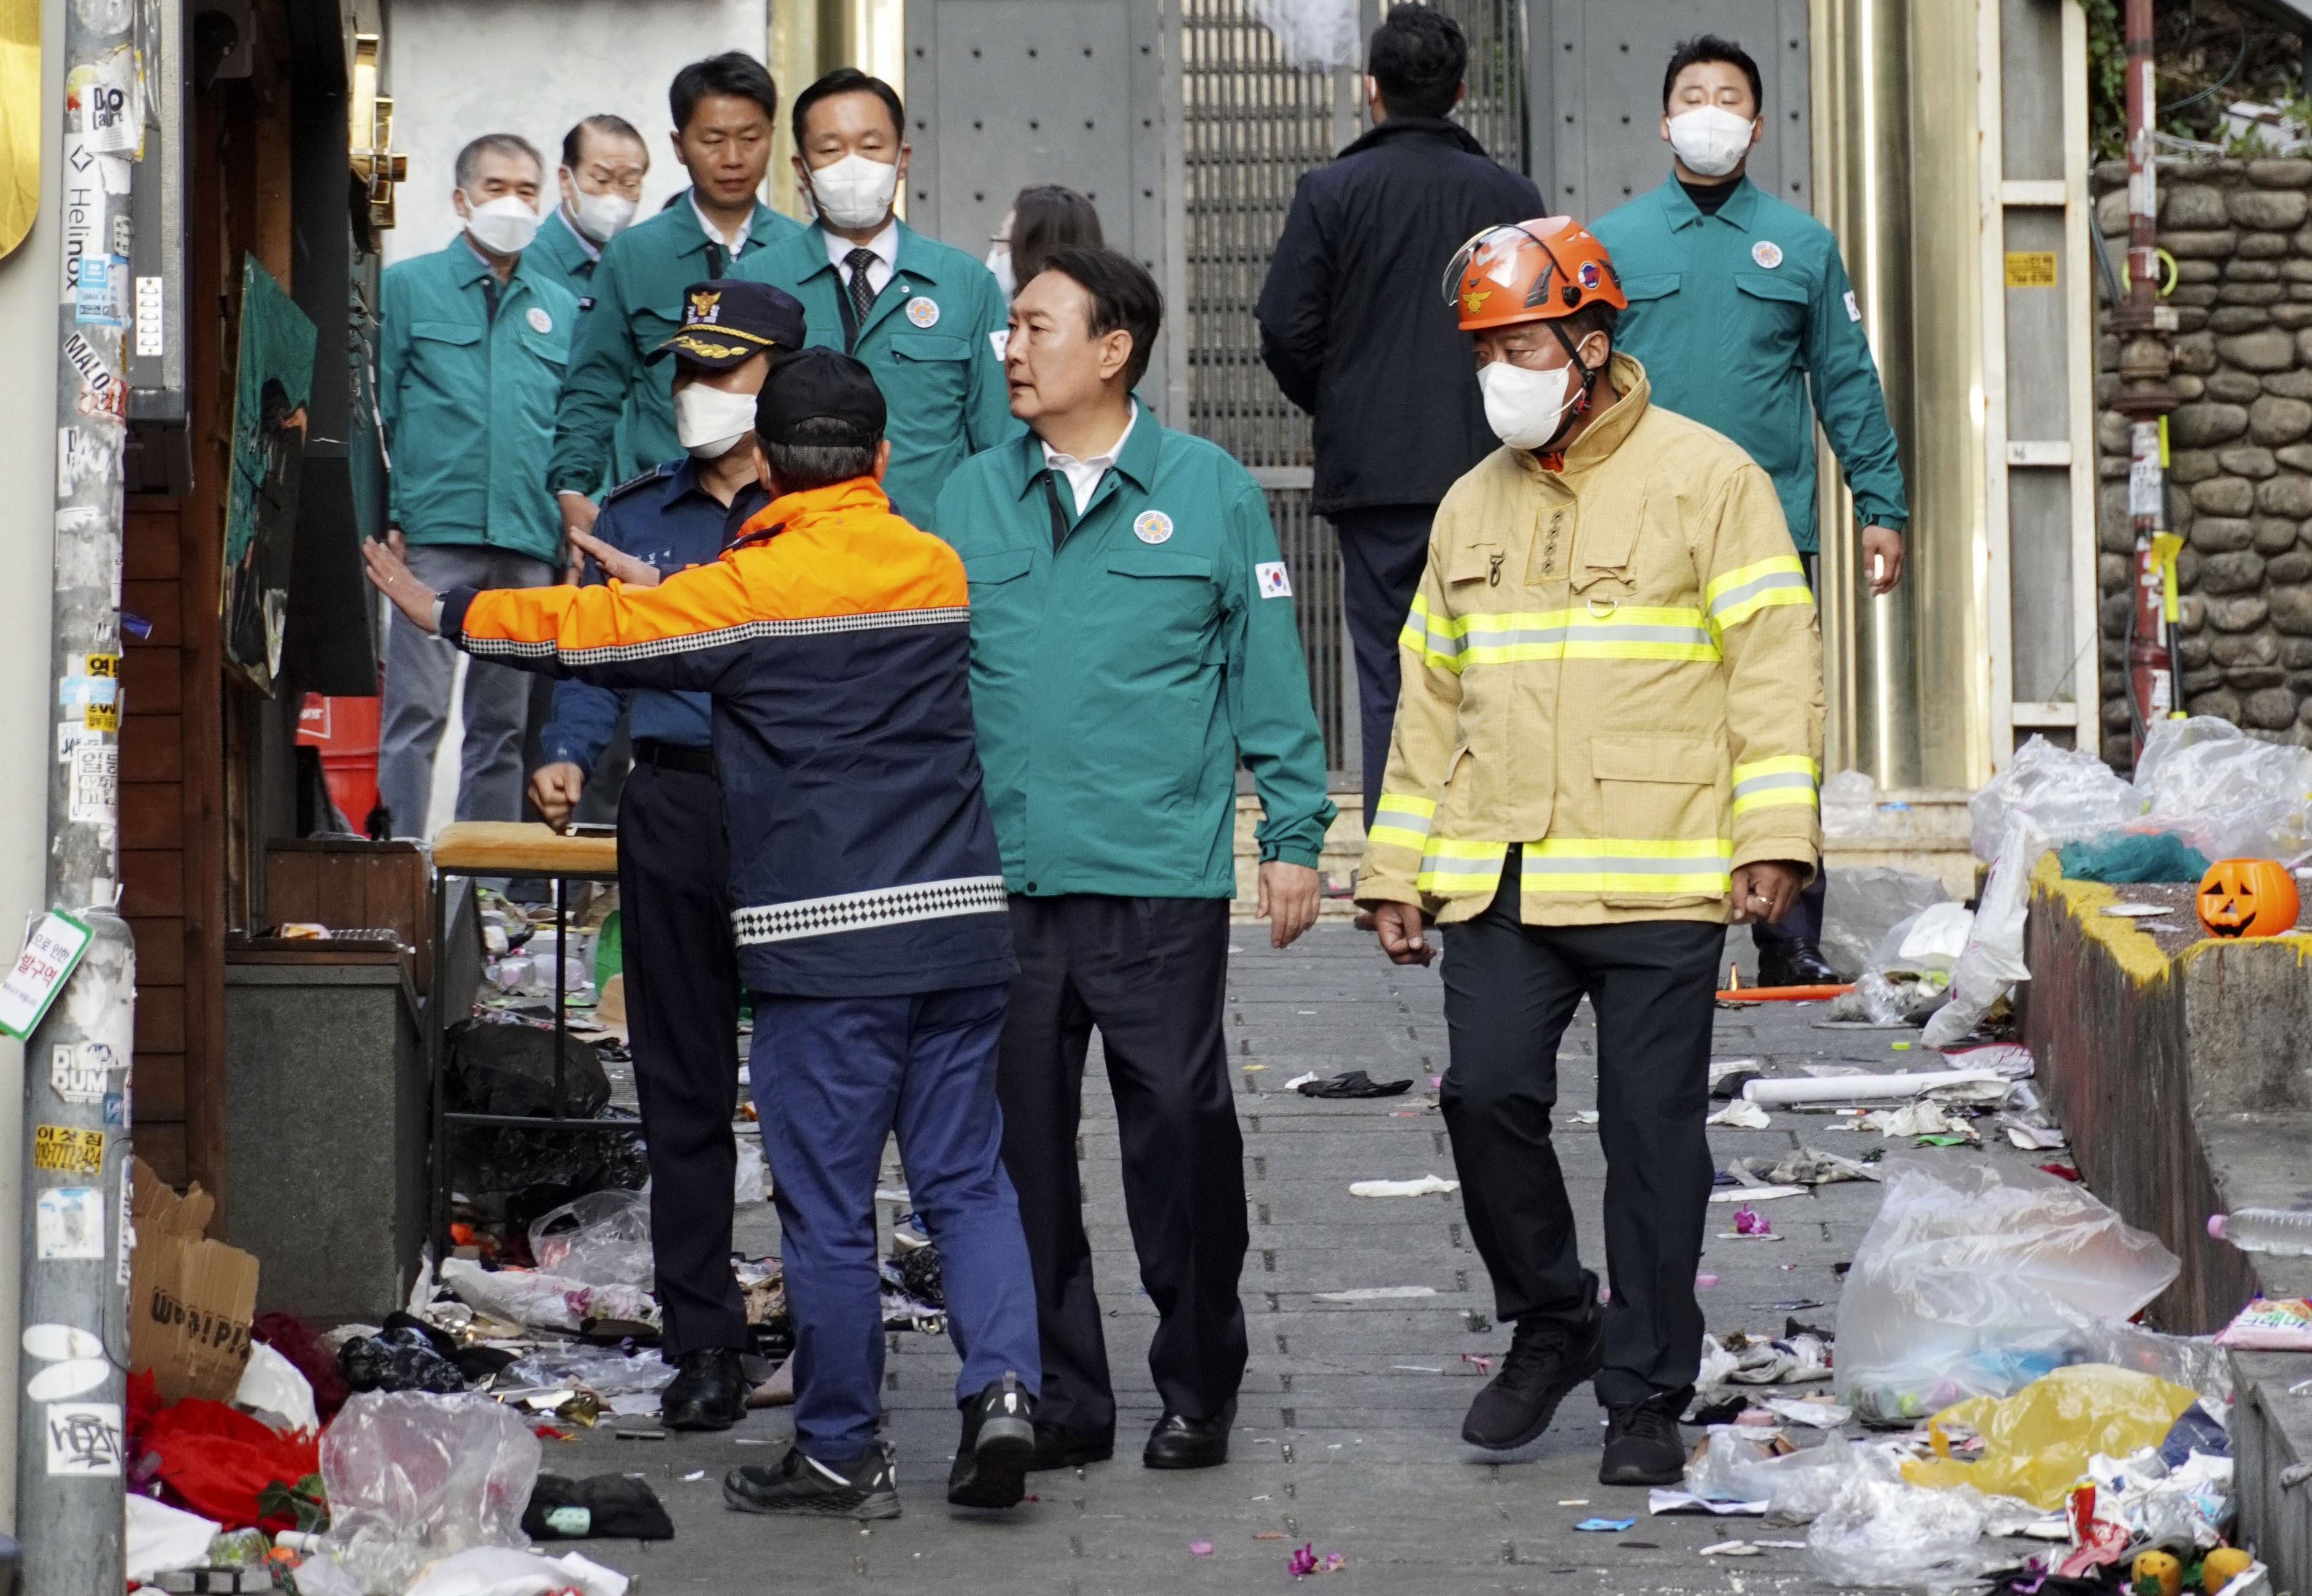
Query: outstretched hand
x=390 y=574
x=616 y=563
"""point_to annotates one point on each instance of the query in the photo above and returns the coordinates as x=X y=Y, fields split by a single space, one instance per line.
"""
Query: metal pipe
x=75 y=1228
x=2145 y=396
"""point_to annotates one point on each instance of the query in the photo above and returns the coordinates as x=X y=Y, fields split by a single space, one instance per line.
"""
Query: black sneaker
x=862 y=1488
x=1546 y=1360
x=998 y=1445
x=1643 y=1443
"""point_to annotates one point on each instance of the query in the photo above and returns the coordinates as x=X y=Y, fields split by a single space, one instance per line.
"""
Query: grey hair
x=504 y=143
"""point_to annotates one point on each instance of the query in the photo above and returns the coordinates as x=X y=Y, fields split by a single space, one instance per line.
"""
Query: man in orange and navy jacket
x=871 y=916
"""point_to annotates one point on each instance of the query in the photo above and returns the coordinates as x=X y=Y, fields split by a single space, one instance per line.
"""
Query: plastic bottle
x=2283 y=1231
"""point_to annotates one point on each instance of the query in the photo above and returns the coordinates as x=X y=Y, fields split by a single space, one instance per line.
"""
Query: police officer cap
x=822 y=386
x=725 y=320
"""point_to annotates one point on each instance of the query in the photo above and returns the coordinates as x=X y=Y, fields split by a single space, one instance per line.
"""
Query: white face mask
x=711 y=422
x=999 y=261
x=854 y=192
x=1709 y=139
x=602 y=216
x=1526 y=407
x=502 y=227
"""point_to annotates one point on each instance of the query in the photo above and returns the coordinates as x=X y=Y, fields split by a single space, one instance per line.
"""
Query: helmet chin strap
x=1580 y=405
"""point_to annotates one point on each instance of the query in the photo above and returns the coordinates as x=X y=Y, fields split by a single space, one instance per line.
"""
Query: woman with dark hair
x=1044 y=220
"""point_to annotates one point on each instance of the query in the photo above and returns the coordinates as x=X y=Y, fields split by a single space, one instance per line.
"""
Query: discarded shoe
x=862 y=1488
x=1643 y=1444
x=1179 y=1441
x=1355 y=1084
x=708 y=1392
x=998 y=1446
x=1545 y=1360
x=1058 y=1447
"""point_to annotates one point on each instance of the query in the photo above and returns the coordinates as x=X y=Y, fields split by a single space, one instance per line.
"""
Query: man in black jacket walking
x=1354 y=326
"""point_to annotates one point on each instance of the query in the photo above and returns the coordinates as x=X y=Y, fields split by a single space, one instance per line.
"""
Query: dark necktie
x=863 y=292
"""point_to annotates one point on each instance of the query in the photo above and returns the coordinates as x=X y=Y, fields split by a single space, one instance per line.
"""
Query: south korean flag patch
x=1274 y=581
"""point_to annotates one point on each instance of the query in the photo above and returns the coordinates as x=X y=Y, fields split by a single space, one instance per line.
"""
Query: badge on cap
x=1766 y=253
x=1152 y=526
x=1276 y=582
x=704 y=307
x=923 y=312
x=539 y=321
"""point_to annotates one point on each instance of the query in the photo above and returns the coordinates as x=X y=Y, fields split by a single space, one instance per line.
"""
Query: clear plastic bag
x=550 y=1301
x=1975 y=1279
x=2227 y=793
x=1862 y=904
x=1993 y=960
x=603 y=1239
x=412 y=1477
x=1881 y=1532
x=2070 y=794
x=601 y=1370
x=1313 y=35
x=1797 y=1486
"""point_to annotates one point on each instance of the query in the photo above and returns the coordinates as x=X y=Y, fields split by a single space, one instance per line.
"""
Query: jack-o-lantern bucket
x=2247 y=897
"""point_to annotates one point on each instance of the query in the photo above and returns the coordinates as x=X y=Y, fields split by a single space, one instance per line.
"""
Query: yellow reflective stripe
x=1450 y=867
x=1784 y=779
x=1435 y=640
x=1593 y=865
x=1501 y=637
x=1401 y=820
x=1739 y=594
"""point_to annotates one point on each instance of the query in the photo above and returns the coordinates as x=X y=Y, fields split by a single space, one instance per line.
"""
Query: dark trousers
x=1804 y=922
x=1509 y=991
x=833 y=1077
x=1151 y=973
x=682 y=1014
x=1382 y=551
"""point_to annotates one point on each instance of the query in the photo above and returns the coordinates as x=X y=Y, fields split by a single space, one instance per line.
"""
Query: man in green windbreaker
x=1132 y=640
x=927 y=320
x=724 y=108
x=1739 y=304
x=471 y=347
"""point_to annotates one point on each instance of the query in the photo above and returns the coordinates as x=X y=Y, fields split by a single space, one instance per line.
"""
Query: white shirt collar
x=1083 y=474
x=885 y=245
x=708 y=227
x=593 y=250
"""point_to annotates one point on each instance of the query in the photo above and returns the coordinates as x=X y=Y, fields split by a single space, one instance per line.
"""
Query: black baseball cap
x=725 y=320
x=824 y=386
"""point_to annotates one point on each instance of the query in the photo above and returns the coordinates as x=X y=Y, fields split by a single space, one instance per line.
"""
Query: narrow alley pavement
x=1348 y=1428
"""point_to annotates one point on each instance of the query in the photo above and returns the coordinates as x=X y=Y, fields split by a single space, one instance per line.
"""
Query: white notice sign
x=50 y=951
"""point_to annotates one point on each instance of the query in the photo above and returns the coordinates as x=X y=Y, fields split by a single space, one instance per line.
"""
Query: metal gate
x=1250 y=126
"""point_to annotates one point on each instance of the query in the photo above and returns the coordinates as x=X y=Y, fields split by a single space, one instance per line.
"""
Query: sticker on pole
x=68 y=1149
x=50 y=952
x=70 y=1223
x=84 y=1438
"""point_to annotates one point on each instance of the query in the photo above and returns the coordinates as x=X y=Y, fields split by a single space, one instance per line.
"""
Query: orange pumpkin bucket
x=2247 y=897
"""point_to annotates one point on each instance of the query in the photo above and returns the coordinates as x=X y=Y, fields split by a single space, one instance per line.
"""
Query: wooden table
x=501 y=848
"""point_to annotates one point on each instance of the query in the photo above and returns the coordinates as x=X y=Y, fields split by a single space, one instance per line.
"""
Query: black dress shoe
x=1794 y=964
x=1059 y=1447
x=1179 y=1441
x=708 y=1392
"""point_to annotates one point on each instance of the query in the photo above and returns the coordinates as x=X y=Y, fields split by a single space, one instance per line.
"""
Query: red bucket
x=345 y=732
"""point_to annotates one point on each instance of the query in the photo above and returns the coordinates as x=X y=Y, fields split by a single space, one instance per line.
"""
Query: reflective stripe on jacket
x=1615 y=666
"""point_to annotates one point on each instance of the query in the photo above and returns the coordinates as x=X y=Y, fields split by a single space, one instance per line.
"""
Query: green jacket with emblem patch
x=1734 y=316
x=1118 y=678
x=931 y=340
x=468 y=400
x=638 y=286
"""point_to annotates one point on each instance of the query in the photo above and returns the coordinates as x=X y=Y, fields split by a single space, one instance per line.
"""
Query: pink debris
x=1484 y=1365
x=1200 y=1548
x=1749 y=1221
x=1302 y=1562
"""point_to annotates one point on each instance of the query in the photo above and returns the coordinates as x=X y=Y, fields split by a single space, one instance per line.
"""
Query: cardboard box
x=190 y=1300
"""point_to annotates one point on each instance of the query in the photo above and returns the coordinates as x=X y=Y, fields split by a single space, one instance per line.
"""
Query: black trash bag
x=399 y=1360
x=919 y=1276
x=507 y=1178
x=497 y=1068
x=607 y=1507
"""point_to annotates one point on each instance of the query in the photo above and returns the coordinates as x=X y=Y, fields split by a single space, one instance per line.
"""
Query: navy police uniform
x=674 y=863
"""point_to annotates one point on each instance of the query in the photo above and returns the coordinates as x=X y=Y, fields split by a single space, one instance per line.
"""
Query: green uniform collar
x=466 y=267
x=916 y=255
x=698 y=238
x=1681 y=212
x=1138 y=460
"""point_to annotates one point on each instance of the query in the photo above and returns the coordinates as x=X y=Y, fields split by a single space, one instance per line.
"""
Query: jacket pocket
x=554 y=351
x=1002 y=565
x=446 y=332
x=923 y=346
x=1649 y=286
x=1782 y=299
x=1661 y=799
x=1474 y=562
x=1602 y=546
x=1173 y=591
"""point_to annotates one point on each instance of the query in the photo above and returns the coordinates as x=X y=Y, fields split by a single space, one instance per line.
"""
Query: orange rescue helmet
x=1530 y=271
